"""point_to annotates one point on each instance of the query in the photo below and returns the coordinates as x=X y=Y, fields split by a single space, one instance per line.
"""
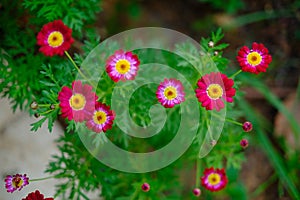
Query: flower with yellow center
x=55 y=39
x=254 y=58
x=102 y=118
x=123 y=66
x=99 y=117
x=214 y=179
x=77 y=101
x=170 y=93
x=214 y=91
x=16 y=182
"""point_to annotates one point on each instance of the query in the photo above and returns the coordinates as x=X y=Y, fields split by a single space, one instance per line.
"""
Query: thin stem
x=198 y=172
x=45 y=178
x=79 y=71
x=235 y=74
x=227 y=119
x=135 y=194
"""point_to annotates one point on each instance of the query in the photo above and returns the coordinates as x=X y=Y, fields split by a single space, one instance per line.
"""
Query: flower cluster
x=80 y=104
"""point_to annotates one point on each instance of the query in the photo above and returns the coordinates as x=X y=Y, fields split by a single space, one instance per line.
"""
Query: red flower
x=214 y=179
x=54 y=38
x=145 y=187
x=213 y=89
x=247 y=126
x=36 y=196
x=77 y=103
x=254 y=60
x=102 y=118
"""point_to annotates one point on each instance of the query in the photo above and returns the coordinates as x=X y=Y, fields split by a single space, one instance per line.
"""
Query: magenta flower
x=213 y=89
x=122 y=66
x=77 y=103
x=214 y=179
x=254 y=60
x=55 y=38
x=145 y=187
x=16 y=182
x=102 y=118
x=170 y=92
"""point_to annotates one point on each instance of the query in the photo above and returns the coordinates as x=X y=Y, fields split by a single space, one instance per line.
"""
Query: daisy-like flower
x=16 y=182
x=102 y=118
x=213 y=89
x=36 y=196
x=77 y=103
x=54 y=38
x=122 y=66
x=214 y=179
x=170 y=92
x=254 y=60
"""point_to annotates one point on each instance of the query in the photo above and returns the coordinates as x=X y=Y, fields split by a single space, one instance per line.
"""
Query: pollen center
x=170 y=93
x=123 y=66
x=17 y=182
x=214 y=179
x=99 y=117
x=254 y=58
x=55 y=39
x=77 y=101
x=214 y=91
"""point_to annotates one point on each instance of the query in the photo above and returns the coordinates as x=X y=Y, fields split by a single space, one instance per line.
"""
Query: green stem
x=45 y=178
x=227 y=119
x=135 y=194
x=79 y=71
x=198 y=172
x=235 y=74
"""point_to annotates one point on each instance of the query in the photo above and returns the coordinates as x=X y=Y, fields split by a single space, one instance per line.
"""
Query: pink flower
x=16 y=182
x=214 y=179
x=77 y=103
x=102 y=118
x=54 y=38
x=254 y=60
x=170 y=92
x=122 y=66
x=213 y=89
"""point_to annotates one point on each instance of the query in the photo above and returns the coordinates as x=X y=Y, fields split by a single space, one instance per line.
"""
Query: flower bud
x=247 y=126
x=34 y=105
x=244 y=143
x=197 y=192
x=145 y=187
x=211 y=44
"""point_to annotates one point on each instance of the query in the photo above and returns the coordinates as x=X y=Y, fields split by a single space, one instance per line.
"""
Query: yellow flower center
x=170 y=93
x=214 y=179
x=77 y=101
x=99 y=117
x=254 y=58
x=55 y=39
x=123 y=66
x=214 y=91
x=17 y=182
